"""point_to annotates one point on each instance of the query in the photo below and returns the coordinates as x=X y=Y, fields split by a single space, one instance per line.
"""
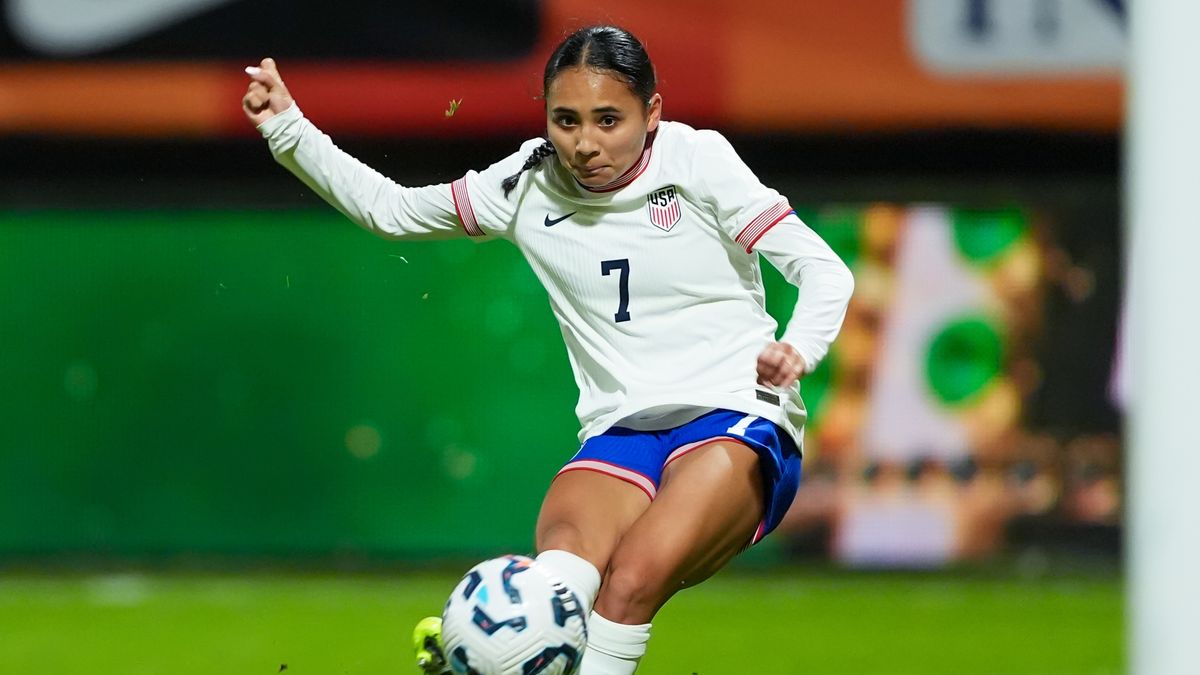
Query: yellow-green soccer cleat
x=427 y=640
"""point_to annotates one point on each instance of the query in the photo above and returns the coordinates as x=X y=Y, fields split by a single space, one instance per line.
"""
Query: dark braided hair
x=607 y=48
x=539 y=153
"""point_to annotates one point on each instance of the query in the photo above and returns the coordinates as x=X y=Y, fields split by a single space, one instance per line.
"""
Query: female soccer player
x=646 y=235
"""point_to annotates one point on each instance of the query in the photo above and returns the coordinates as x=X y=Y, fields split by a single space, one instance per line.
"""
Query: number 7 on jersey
x=607 y=266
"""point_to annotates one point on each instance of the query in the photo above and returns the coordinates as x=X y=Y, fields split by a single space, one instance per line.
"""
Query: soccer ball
x=509 y=616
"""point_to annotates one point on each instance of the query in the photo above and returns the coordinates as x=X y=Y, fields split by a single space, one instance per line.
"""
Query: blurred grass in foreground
x=740 y=622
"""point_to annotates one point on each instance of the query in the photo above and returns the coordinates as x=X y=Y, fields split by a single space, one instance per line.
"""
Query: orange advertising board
x=766 y=66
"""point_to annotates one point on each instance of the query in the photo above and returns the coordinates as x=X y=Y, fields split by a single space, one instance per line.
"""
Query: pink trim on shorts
x=696 y=445
x=759 y=533
x=635 y=478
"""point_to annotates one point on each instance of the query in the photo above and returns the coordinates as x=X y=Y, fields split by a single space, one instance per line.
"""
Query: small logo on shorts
x=766 y=396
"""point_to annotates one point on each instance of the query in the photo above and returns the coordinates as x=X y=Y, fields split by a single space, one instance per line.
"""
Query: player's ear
x=653 y=113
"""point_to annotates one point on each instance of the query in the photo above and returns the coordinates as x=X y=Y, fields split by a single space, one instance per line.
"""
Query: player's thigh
x=708 y=508
x=587 y=513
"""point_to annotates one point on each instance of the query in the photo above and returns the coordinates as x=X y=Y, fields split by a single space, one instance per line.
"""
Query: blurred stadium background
x=237 y=433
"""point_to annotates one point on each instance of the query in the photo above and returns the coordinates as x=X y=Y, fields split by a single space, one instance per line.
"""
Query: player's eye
x=608 y=121
x=564 y=121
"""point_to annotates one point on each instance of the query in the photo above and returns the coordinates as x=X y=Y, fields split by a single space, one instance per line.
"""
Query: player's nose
x=586 y=146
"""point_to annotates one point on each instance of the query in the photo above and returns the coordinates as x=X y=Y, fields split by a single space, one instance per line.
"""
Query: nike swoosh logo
x=558 y=220
x=81 y=27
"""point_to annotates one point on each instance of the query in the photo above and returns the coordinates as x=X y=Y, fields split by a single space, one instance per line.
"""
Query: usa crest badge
x=663 y=205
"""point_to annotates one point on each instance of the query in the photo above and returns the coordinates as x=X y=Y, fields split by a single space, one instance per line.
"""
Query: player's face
x=597 y=124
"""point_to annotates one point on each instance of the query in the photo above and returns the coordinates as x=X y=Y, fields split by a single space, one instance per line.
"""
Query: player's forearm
x=825 y=284
x=818 y=316
x=362 y=194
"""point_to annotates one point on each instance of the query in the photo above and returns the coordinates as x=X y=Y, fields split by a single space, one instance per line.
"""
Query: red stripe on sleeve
x=462 y=207
x=754 y=231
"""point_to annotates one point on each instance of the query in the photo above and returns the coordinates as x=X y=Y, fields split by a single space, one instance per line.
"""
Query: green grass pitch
x=743 y=621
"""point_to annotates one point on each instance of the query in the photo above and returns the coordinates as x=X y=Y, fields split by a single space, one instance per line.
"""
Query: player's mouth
x=589 y=171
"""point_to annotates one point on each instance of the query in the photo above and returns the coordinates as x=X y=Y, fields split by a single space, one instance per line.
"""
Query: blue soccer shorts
x=639 y=457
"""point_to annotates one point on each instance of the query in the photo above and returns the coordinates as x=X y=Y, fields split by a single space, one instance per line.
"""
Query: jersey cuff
x=763 y=222
x=462 y=206
x=278 y=121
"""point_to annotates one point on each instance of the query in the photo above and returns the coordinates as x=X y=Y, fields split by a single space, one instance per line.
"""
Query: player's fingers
x=255 y=101
x=769 y=358
x=787 y=375
x=767 y=374
x=265 y=77
x=776 y=379
x=268 y=64
x=793 y=372
x=782 y=374
x=769 y=362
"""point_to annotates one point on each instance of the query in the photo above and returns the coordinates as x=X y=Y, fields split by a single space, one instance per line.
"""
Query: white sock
x=613 y=648
x=579 y=575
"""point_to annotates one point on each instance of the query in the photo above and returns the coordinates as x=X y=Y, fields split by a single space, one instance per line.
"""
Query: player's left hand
x=267 y=95
x=780 y=365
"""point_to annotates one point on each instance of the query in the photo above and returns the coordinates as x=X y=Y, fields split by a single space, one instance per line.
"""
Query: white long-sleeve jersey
x=654 y=279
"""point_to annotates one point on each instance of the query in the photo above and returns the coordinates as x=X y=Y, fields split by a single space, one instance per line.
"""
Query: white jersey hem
x=789 y=417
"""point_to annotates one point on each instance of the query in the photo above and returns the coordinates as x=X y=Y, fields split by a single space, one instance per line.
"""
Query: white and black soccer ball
x=509 y=616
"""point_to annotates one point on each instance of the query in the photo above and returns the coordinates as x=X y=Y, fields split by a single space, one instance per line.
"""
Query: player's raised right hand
x=266 y=96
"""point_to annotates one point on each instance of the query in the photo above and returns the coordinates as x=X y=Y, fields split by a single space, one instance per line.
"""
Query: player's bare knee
x=567 y=537
x=561 y=536
x=633 y=590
